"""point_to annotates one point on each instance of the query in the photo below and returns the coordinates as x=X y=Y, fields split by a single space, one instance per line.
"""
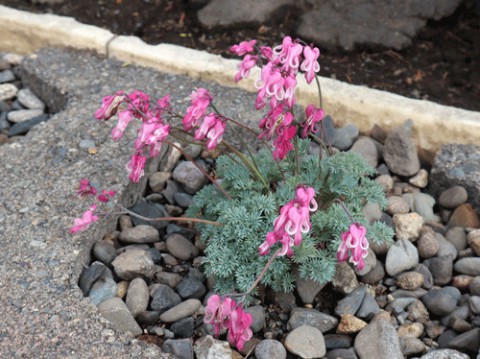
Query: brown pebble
x=410 y=280
x=462 y=282
x=427 y=244
x=350 y=324
x=410 y=330
x=464 y=216
x=473 y=239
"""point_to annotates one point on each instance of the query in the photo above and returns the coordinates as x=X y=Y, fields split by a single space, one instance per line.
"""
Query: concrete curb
x=434 y=125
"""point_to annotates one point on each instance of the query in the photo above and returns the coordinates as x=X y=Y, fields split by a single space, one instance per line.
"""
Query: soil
x=441 y=65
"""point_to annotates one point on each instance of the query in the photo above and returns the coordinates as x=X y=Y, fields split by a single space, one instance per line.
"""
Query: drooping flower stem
x=177 y=219
x=320 y=99
x=247 y=163
x=200 y=169
x=297 y=157
x=340 y=202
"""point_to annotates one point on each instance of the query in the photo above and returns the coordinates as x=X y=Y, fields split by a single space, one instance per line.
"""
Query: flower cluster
x=86 y=189
x=277 y=85
x=213 y=125
x=354 y=244
x=294 y=219
x=226 y=314
x=151 y=135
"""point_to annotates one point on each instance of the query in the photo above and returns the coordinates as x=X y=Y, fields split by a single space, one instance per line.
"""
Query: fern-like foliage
x=232 y=249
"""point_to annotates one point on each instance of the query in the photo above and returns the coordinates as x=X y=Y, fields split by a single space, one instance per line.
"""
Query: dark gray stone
x=116 y=312
x=345 y=136
x=164 y=298
x=457 y=165
x=439 y=302
x=103 y=289
x=342 y=354
x=351 y=303
x=191 y=287
x=337 y=341
x=104 y=251
x=441 y=269
x=258 y=317
x=181 y=348
x=183 y=327
x=170 y=191
x=369 y=308
x=90 y=275
x=149 y=210
x=21 y=128
x=468 y=342
x=184 y=200
x=311 y=317
x=349 y=23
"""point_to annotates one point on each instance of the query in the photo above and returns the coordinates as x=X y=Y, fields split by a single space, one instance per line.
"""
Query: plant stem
x=200 y=168
x=320 y=99
x=297 y=157
x=340 y=202
x=262 y=273
x=178 y=219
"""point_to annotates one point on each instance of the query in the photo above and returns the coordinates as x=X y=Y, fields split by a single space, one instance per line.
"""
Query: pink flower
x=85 y=189
x=139 y=104
x=81 y=224
x=105 y=196
x=136 y=167
x=211 y=128
x=283 y=143
x=124 y=118
x=217 y=313
x=239 y=328
x=109 y=106
x=310 y=64
x=243 y=48
x=275 y=122
x=248 y=62
x=152 y=134
x=290 y=84
x=314 y=116
x=354 y=244
x=200 y=100
x=292 y=222
x=164 y=104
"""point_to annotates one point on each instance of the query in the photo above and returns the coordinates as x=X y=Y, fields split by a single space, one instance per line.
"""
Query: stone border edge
x=434 y=124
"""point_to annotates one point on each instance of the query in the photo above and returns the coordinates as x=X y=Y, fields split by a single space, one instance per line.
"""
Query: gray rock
x=474 y=286
x=103 y=289
x=180 y=247
x=445 y=247
x=134 y=262
x=270 y=348
x=427 y=244
x=191 y=287
x=411 y=346
x=351 y=303
x=334 y=341
x=137 y=296
x=469 y=265
x=181 y=348
x=348 y=24
x=445 y=354
x=424 y=206
x=370 y=262
x=104 y=251
x=90 y=275
x=181 y=310
x=474 y=304
x=427 y=275
x=142 y=233
x=401 y=154
x=345 y=279
x=23 y=115
x=366 y=148
x=307 y=288
x=158 y=180
x=458 y=237
x=457 y=165
x=375 y=275
x=341 y=353
x=164 y=298
x=7 y=91
x=439 y=302
x=369 y=308
x=170 y=279
x=400 y=257
x=230 y=12
x=285 y=301
x=311 y=317
x=345 y=136
x=467 y=342
x=441 y=269
x=258 y=317
x=306 y=342
x=378 y=339
x=184 y=200
x=183 y=327
x=28 y=99
x=149 y=210
x=453 y=197
x=171 y=190
x=116 y=312
x=6 y=76
x=372 y=212
x=189 y=176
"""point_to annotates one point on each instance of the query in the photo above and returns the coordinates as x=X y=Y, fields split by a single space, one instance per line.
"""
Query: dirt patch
x=442 y=64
